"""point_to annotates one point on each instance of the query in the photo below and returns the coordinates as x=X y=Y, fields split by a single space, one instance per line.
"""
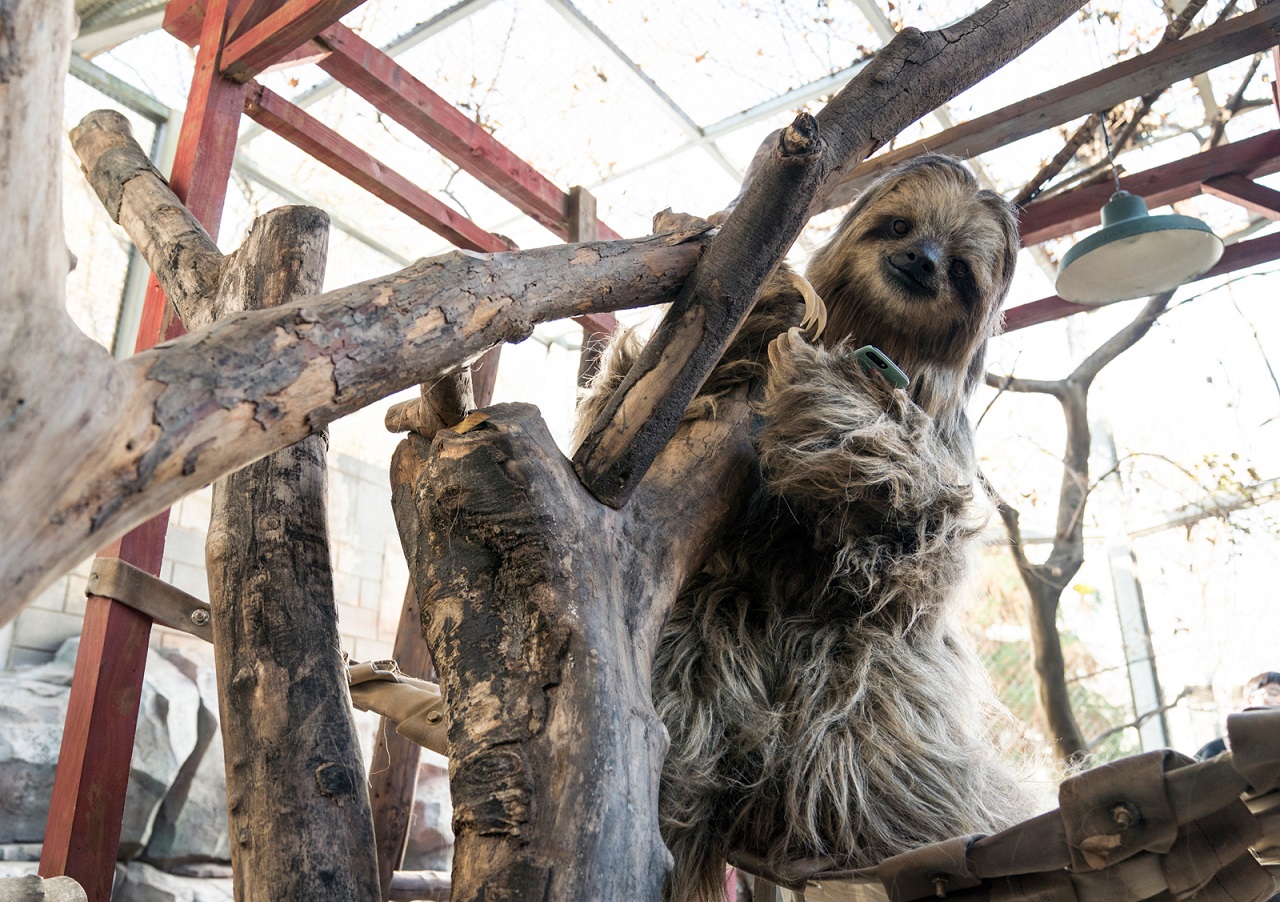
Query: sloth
x=823 y=708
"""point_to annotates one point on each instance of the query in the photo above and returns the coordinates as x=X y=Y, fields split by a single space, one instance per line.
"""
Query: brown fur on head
x=919 y=268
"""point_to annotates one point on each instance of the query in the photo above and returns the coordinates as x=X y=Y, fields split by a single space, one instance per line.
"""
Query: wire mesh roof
x=663 y=104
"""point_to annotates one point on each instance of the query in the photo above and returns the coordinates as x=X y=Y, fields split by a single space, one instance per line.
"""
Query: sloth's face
x=936 y=250
x=920 y=265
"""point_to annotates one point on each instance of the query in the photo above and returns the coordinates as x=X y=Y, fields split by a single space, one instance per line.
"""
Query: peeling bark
x=170 y=420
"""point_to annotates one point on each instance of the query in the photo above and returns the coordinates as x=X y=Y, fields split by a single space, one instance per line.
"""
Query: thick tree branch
x=544 y=655
x=165 y=422
x=172 y=241
x=911 y=75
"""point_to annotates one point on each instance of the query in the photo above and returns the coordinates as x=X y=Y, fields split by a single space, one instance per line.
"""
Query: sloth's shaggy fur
x=820 y=699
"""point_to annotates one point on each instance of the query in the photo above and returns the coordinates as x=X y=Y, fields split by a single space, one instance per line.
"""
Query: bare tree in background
x=1047 y=581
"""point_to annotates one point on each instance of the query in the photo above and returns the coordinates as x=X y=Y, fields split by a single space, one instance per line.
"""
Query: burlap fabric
x=415 y=706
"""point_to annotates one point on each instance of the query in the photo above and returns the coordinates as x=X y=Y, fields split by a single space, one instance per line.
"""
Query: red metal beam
x=600 y=323
x=183 y=20
x=1079 y=209
x=387 y=85
x=286 y=29
x=310 y=135
x=1243 y=191
x=1236 y=257
x=376 y=77
x=1252 y=32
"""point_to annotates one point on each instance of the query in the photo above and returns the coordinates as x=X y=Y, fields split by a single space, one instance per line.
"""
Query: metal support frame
x=82 y=836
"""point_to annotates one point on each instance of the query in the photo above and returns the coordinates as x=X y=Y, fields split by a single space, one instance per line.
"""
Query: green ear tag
x=873 y=360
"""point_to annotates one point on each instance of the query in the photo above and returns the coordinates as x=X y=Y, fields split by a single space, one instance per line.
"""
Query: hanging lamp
x=1135 y=254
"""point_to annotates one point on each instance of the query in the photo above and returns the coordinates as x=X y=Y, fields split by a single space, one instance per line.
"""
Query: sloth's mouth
x=907 y=280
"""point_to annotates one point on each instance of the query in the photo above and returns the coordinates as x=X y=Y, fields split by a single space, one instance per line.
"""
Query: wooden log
x=154 y=217
x=911 y=75
x=297 y=801
x=393 y=778
x=150 y=429
x=545 y=659
x=34 y=889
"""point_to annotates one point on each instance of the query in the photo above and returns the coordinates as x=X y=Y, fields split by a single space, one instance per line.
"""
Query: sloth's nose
x=920 y=261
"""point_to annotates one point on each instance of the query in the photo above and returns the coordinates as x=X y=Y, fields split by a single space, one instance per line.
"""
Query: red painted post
x=82 y=837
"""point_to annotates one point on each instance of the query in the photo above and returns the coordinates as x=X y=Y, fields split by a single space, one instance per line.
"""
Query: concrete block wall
x=369 y=575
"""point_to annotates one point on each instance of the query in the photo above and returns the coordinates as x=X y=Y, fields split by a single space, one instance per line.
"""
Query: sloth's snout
x=919 y=263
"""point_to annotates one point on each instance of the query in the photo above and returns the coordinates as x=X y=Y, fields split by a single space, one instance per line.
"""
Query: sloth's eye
x=901 y=227
x=959 y=268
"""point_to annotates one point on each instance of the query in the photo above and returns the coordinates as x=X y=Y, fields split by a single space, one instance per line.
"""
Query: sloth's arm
x=837 y=437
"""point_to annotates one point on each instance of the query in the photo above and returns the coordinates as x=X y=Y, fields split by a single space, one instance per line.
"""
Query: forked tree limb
x=913 y=74
x=120 y=441
x=543 y=609
x=1047 y=581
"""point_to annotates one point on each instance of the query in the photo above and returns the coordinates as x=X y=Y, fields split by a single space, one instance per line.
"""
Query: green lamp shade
x=1135 y=254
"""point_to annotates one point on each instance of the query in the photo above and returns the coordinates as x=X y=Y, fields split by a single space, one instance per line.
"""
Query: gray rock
x=139 y=882
x=33 y=709
x=20 y=852
x=191 y=825
x=31 y=718
x=166 y=737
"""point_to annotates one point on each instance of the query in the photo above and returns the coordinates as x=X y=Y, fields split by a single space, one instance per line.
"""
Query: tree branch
x=1138 y=722
x=171 y=240
x=1028 y=386
x=1117 y=344
x=170 y=420
x=916 y=72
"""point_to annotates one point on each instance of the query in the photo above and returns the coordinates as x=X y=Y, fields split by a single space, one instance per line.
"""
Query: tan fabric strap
x=415 y=706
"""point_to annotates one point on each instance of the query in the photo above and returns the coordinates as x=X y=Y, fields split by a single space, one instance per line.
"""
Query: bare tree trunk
x=298 y=804
x=542 y=609
x=1046 y=582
